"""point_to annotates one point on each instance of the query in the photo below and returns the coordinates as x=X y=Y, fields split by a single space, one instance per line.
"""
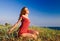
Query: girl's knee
x=37 y=32
x=34 y=37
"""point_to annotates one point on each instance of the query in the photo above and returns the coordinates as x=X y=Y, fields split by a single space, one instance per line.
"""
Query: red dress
x=24 y=26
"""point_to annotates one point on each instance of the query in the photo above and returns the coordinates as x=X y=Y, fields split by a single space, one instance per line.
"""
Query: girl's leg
x=29 y=35
x=33 y=32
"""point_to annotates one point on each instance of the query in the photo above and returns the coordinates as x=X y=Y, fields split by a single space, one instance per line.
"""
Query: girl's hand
x=8 y=32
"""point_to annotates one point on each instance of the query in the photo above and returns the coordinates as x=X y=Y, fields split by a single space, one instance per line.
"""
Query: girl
x=23 y=29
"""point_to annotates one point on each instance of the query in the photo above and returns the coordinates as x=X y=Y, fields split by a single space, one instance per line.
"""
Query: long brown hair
x=23 y=12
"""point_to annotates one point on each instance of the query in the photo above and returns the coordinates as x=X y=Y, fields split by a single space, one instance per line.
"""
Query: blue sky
x=42 y=12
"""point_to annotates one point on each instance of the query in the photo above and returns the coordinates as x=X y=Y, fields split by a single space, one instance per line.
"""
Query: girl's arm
x=14 y=26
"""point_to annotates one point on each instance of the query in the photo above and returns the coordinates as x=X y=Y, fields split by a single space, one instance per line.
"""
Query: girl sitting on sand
x=23 y=29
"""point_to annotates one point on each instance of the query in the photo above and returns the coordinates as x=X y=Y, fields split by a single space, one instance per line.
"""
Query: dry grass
x=45 y=34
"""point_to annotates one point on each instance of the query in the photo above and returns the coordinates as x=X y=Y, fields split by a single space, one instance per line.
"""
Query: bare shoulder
x=23 y=15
